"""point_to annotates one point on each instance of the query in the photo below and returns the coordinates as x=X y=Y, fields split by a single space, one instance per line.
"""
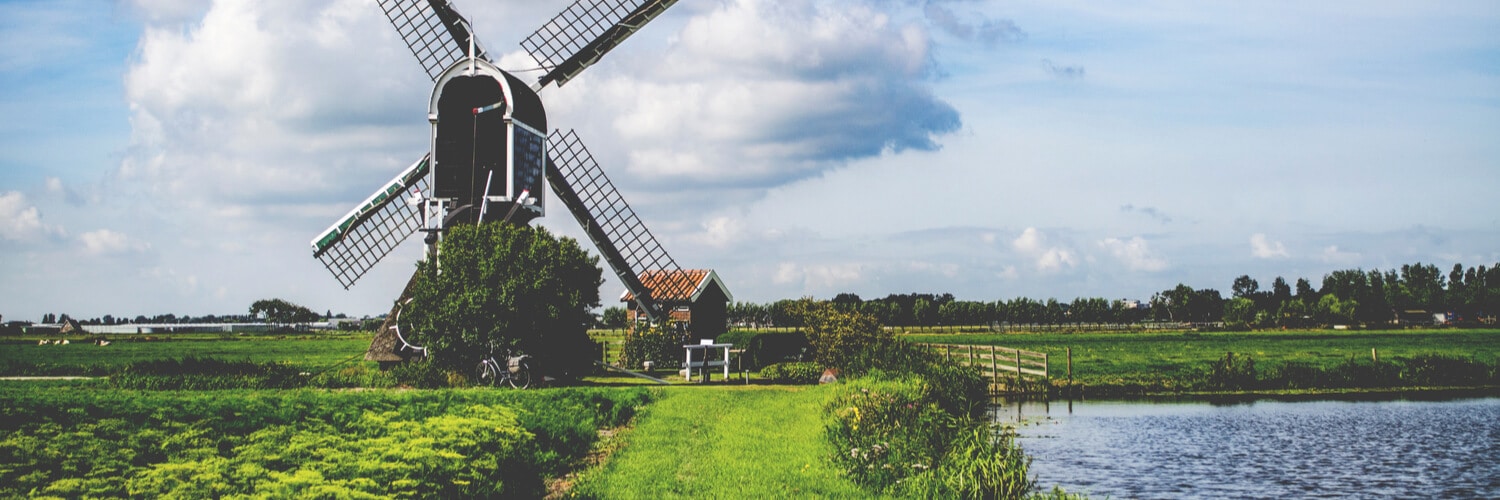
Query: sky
x=178 y=156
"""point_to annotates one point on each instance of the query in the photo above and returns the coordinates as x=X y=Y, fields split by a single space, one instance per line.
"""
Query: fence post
x=1046 y=370
x=971 y=355
x=1374 y=356
x=947 y=352
x=1018 y=369
x=994 y=367
x=1070 y=367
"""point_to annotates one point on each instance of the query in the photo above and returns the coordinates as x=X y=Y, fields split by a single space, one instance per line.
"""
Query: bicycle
x=516 y=372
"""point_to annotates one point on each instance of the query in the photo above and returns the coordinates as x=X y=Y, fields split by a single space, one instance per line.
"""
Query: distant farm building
x=694 y=297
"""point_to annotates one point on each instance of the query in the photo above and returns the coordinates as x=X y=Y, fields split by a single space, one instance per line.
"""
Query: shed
x=703 y=307
x=70 y=326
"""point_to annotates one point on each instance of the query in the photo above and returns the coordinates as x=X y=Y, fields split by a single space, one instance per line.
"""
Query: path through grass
x=724 y=442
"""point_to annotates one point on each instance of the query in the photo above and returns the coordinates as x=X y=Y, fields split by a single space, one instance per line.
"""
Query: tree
x=1305 y=290
x=1245 y=287
x=499 y=286
x=274 y=311
x=1240 y=312
x=614 y=317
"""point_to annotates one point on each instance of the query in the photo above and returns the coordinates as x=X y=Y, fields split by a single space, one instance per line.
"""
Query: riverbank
x=1164 y=363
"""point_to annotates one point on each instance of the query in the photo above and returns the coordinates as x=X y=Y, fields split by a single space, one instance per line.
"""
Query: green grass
x=724 y=442
x=75 y=441
x=81 y=357
x=1162 y=359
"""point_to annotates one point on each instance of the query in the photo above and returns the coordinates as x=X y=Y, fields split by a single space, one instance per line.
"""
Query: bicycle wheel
x=521 y=379
x=485 y=374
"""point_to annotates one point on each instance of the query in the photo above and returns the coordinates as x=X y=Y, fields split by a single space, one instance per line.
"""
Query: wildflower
x=854 y=453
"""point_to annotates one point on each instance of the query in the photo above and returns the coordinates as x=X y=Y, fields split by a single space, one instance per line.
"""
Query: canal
x=1263 y=449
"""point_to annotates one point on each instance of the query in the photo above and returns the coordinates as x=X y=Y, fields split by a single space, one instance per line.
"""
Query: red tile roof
x=679 y=287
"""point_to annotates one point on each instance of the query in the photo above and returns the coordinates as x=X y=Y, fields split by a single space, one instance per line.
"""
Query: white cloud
x=21 y=221
x=1331 y=254
x=1135 y=253
x=817 y=276
x=107 y=242
x=758 y=93
x=1262 y=247
x=1047 y=257
x=269 y=103
x=719 y=232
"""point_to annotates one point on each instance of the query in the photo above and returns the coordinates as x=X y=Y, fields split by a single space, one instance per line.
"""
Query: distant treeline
x=1415 y=293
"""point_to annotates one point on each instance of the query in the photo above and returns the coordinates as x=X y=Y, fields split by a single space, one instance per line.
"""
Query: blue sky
x=176 y=156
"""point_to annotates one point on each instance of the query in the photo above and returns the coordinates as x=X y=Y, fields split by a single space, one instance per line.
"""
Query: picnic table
x=702 y=363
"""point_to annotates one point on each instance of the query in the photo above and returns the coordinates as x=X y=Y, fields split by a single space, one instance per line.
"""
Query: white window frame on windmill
x=514 y=131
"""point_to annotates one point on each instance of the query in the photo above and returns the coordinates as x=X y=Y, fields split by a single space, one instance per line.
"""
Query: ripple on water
x=1443 y=449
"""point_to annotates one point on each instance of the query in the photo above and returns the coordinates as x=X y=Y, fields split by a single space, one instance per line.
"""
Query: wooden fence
x=997 y=363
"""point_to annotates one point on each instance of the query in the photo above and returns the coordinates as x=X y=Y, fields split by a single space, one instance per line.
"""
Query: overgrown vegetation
x=1239 y=372
x=68 y=442
x=500 y=286
x=907 y=423
x=661 y=346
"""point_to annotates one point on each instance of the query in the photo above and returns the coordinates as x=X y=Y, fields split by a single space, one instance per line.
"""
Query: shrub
x=792 y=373
x=661 y=346
x=882 y=431
x=1231 y=372
x=500 y=287
x=837 y=335
x=766 y=348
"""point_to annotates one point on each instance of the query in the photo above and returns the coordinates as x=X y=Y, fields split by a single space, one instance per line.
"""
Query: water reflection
x=1263 y=449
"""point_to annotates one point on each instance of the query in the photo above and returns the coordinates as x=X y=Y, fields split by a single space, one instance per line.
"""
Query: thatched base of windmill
x=386 y=347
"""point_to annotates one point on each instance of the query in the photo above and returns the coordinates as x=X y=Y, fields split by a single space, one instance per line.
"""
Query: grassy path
x=724 y=442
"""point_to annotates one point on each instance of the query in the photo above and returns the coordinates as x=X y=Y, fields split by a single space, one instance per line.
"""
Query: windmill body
x=489 y=137
x=491 y=151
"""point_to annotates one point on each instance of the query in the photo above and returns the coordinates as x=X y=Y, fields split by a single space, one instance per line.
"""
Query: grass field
x=81 y=357
x=1157 y=359
x=723 y=442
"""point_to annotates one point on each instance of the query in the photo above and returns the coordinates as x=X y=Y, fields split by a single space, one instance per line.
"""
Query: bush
x=500 y=287
x=447 y=444
x=792 y=373
x=1232 y=372
x=895 y=436
x=661 y=346
x=766 y=348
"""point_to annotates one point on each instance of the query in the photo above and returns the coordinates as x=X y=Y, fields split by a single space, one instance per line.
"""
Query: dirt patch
x=610 y=441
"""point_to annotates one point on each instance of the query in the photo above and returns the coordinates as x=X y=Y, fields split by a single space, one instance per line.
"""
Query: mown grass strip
x=724 y=442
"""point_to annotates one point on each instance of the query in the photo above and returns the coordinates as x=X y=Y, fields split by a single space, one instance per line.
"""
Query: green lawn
x=81 y=357
x=723 y=442
x=1151 y=357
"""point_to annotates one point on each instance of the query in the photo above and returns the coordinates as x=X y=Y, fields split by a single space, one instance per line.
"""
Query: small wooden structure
x=704 y=308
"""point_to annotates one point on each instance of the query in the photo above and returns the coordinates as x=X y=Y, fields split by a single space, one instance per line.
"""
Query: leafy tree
x=1305 y=290
x=837 y=335
x=275 y=311
x=1245 y=287
x=1331 y=310
x=499 y=286
x=1240 y=312
x=614 y=317
x=1280 y=291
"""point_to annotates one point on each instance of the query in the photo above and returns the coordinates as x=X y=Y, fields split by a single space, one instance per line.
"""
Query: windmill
x=491 y=150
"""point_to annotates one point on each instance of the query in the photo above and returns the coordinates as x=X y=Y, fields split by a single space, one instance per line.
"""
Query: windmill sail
x=436 y=34
x=581 y=34
x=631 y=250
x=366 y=234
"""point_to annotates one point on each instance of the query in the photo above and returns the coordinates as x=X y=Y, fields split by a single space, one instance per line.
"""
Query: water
x=1264 y=449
